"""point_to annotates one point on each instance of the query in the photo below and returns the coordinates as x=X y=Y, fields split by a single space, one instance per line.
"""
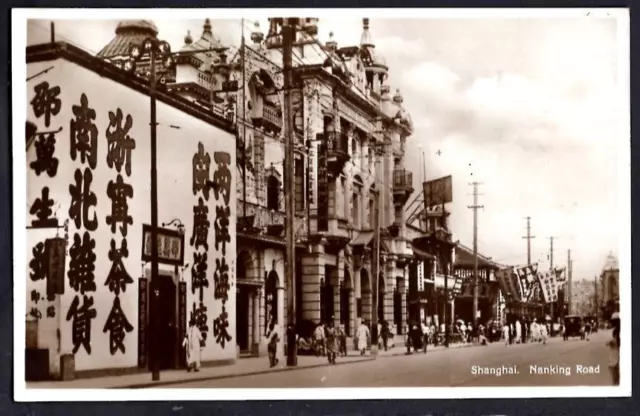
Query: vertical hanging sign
x=142 y=322
x=182 y=317
x=323 y=186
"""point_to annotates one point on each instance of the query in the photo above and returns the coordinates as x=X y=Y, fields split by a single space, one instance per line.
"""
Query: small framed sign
x=170 y=245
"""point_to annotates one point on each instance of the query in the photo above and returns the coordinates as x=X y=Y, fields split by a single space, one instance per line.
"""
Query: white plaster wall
x=176 y=148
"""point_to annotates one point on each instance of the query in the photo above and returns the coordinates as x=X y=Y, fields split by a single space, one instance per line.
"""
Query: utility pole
x=528 y=237
x=569 y=283
x=288 y=35
x=244 y=126
x=376 y=271
x=475 y=207
x=551 y=271
x=595 y=295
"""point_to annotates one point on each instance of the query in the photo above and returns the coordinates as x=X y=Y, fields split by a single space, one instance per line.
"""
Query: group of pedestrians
x=519 y=332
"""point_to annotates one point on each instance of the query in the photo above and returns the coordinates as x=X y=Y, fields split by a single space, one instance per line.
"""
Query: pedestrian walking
x=384 y=334
x=342 y=338
x=543 y=334
x=319 y=340
x=518 y=331
x=425 y=337
x=273 y=337
x=614 y=349
x=192 y=344
x=362 y=337
x=506 y=333
x=331 y=342
x=525 y=330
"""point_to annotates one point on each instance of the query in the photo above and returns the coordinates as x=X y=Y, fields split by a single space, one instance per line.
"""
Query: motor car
x=573 y=327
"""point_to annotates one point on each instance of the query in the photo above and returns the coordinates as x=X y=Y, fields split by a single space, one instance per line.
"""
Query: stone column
x=335 y=285
x=312 y=272
x=352 y=316
x=389 y=290
x=255 y=325
x=403 y=299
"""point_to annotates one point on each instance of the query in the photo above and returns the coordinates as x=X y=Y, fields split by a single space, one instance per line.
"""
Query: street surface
x=453 y=367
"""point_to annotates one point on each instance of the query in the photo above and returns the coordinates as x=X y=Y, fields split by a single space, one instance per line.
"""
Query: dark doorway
x=242 y=318
x=163 y=313
x=381 y=291
x=271 y=300
x=326 y=298
x=397 y=308
x=273 y=193
x=413 y=297
x=345 y=313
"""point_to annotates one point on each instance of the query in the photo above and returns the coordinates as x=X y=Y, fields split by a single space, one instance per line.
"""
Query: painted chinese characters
x=222 y=181
x=119 y=144
x=82 y=262
x=41 y=208
x=84 y=133
x=118 y=325
x=38 y=263
x=82 y=199
x=118 y=277
x=199 y=238
x=119 y=153
x=199 y=273
x=118 y=192
x=45 y=145
x=46 y=102
x=46 y=105
x=81 y=316
x=201 y=167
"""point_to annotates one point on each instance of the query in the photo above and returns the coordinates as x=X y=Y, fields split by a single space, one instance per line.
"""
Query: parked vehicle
x=574 y=327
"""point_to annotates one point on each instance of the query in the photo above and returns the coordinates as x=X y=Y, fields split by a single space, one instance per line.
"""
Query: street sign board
x=170 y=246
x=437 y=192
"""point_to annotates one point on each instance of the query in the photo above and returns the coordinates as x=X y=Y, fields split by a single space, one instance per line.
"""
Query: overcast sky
x=526 y=106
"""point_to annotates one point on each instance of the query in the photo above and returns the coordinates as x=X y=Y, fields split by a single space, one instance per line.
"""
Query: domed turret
x=257 y=36
x=207 y=33
x=188 y=40
x=365 y=38
x=128 y=33
x=137 y=27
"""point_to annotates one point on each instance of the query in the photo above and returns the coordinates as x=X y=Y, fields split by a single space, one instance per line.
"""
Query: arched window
x=355 y=209
x=371 y=212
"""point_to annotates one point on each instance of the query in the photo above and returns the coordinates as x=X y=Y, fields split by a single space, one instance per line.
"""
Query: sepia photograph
x=324 y=207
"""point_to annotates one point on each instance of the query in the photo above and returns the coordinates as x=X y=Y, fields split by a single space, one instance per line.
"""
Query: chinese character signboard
x=323 y=187
x=437 y=192
x=170 y=246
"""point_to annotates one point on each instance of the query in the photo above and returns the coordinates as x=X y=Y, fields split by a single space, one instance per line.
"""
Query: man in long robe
x=518 y=332
x=363 y=338
x=193 y=346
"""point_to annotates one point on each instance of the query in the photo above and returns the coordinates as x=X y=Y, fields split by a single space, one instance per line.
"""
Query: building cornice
x=62 y=50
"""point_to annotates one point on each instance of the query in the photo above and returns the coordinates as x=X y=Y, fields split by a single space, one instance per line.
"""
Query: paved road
x=453 y=367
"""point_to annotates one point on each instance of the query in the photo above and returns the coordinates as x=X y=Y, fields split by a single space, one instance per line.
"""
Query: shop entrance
x=242 y=318
x=164 y=314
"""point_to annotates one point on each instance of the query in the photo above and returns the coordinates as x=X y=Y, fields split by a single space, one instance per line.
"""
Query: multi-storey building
x=609 y=288
x=350 y=132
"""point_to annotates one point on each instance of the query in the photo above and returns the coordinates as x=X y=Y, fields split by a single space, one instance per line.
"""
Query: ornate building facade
x=350 y=135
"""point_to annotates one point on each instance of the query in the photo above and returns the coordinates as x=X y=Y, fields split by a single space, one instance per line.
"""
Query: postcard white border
x=19 y=41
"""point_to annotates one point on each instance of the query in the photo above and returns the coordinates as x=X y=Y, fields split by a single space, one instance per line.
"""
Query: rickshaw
x=573 y=327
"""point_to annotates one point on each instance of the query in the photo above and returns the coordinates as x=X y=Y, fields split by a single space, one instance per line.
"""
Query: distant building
x=609 y=288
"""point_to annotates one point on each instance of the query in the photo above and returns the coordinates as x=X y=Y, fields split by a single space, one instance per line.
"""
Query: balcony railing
x=260 y=219
x=402 y=185
x=337 y=152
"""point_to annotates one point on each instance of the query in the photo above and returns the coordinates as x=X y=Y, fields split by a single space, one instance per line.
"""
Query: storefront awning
x=421 y=254
x=362 y=239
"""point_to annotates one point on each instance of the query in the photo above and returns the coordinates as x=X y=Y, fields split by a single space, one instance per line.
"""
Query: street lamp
x=155 y=49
